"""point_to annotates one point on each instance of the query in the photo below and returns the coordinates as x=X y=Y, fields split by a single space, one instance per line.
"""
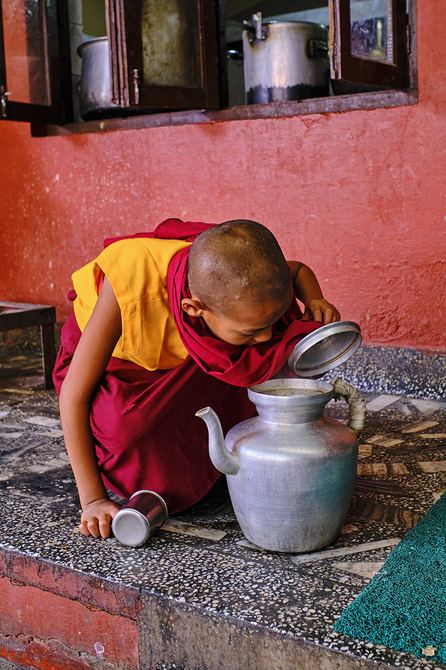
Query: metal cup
x=138 y=519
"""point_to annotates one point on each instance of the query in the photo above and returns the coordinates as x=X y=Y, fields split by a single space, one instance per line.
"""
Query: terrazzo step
x=56 y=618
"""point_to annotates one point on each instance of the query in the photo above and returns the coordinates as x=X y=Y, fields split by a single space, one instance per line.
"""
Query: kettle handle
x=355 y=401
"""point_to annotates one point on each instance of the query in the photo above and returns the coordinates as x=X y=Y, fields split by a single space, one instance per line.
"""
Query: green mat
x=404 y=605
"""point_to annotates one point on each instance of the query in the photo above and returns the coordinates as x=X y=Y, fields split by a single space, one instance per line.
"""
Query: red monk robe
x=143 y=421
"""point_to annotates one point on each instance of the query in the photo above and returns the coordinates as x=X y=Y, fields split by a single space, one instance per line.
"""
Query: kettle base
x=284 y=548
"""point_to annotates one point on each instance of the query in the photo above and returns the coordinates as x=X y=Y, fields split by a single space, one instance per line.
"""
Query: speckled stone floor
x=200 y=560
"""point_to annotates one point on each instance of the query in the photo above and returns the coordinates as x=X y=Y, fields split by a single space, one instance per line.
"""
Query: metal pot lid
x=325 y=348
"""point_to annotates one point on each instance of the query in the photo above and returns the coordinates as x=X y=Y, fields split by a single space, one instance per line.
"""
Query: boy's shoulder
x=142 y=247
x=138 y=260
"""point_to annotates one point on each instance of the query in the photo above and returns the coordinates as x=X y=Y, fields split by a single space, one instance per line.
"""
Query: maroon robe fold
x=143 y=422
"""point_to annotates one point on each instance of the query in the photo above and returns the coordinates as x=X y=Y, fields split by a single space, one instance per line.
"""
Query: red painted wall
x=360 y=196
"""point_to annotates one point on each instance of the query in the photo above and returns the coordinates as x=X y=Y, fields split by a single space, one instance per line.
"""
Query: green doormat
x=404 y=606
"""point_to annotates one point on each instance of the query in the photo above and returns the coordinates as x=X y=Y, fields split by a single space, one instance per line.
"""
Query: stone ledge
x=61 y=621
x=57 y=578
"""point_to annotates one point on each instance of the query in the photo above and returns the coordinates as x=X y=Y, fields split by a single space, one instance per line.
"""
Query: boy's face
x=248 y=324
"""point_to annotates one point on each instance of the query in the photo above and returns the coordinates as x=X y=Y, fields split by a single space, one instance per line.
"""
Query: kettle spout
x=222 y=459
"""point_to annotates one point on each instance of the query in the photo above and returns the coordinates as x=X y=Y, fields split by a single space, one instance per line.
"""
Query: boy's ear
x=193 y=306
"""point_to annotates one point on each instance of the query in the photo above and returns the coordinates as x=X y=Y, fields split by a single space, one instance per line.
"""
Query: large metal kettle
x=290 y=470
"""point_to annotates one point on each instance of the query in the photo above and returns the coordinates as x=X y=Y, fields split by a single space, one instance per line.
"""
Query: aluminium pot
x=95 y=90
x=284 y=60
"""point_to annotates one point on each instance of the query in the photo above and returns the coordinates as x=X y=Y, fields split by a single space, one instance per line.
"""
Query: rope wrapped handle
x=355 y=401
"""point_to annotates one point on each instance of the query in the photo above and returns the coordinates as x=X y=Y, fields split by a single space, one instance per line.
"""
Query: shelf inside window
x=326 y=105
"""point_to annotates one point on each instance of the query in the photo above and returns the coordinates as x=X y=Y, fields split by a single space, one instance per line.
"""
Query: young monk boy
x=163 y=324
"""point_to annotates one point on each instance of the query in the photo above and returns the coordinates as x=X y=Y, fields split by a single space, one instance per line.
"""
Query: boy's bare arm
x=86 y=368
x=309 y=292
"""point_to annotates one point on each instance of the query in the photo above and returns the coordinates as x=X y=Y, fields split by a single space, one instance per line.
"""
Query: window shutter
x=369 y=42
x=35 y=78
x=164 y=55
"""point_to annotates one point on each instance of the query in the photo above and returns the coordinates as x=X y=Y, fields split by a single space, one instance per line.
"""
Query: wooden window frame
x=127 y=64
x=347 y=67
x=58 y=71
x=52 y=122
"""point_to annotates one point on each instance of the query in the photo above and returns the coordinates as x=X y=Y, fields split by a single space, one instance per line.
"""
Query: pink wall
x=360 y=196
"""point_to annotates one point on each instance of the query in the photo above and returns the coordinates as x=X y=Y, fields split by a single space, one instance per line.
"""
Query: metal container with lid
x=138 y=519
x=284 y=60
x=325 y=348
x=290 y=470
x=95 y=90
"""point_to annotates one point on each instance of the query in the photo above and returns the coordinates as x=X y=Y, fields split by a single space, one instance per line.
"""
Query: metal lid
x=130 y=527
x=325 y=348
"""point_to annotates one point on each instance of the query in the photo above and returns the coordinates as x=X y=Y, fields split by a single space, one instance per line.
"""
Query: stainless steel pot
x=95 y=91
x=284 y=60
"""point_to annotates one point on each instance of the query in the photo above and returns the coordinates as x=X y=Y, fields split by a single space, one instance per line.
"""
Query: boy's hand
x=97 y=516
x=321 y=310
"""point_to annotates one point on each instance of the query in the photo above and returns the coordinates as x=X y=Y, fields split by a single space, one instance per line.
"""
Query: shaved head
x=237 y=261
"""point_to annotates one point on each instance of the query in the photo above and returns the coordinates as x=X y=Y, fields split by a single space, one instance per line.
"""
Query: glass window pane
x=371 y=29
x=25 y=57
x=171 y=43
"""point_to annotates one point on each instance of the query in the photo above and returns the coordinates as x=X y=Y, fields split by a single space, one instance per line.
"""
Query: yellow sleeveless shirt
x=137 y=271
